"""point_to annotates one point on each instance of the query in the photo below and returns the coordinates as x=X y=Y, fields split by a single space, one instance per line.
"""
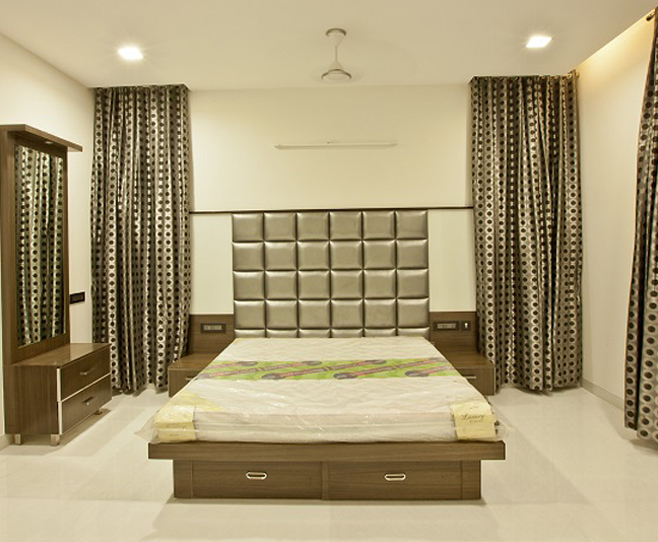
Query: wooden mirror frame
x=12 y=136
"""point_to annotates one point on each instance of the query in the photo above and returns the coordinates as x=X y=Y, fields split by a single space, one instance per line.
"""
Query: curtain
x=39 y=245
x=140 y=231
x=641 y=395
x=528 y=233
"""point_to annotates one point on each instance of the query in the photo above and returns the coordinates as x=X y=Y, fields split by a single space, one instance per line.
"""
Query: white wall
x=33 y=92
x=236 y=167
x=611 y=88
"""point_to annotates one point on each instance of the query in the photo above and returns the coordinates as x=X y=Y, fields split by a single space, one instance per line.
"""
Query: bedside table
x=185 y=369
x=473 y=366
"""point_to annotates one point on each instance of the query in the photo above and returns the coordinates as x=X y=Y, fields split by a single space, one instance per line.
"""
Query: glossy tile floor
x=573 y=473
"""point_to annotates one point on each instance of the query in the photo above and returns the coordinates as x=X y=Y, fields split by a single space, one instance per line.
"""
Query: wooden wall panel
x=213 y=343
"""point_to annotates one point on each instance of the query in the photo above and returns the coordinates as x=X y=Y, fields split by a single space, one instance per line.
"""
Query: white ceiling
x=219 y=44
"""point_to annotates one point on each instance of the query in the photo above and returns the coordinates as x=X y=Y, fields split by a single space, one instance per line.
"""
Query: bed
x=367 y=418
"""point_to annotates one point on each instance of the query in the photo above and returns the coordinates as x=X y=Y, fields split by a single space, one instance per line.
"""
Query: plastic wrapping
x=307 y=390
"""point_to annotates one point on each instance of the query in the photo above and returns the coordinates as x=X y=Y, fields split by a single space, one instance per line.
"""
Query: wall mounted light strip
x=336 y=145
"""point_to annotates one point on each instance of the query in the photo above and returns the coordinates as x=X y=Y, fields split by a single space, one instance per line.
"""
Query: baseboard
x=603 y=394
x=5 y=441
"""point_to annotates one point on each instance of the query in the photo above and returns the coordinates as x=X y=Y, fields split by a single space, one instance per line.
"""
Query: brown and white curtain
x=528 y=234
x=39 y=245
x=140 y=230
x=641 y=395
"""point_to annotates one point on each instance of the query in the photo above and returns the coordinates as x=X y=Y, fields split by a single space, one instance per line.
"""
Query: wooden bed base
x=361 y=471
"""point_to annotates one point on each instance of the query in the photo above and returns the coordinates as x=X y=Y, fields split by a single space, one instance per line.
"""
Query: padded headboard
x=331 y=274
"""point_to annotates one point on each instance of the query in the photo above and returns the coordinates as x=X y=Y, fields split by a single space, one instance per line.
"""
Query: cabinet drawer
x=482 y=379
x=255 y=480
x=86 y=402
x=395 y=480
x=179 y=378
x=84 y=371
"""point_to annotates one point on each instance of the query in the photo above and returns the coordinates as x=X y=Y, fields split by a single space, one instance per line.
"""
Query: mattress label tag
x=473 y=420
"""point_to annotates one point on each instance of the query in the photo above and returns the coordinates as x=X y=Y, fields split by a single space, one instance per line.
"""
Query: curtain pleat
x=528 y=232
x=641 y=390
x=140 y=231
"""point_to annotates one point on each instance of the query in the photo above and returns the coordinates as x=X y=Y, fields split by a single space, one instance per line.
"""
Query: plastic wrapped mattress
x=327 y=390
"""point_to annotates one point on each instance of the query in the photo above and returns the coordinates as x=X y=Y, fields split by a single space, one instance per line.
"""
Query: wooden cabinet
x=473 y=366
x=185 y=369
x=60 y=388
x=49 y=384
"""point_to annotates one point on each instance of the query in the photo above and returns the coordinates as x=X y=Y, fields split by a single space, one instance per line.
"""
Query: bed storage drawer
x=255 y=480
x=395 y=480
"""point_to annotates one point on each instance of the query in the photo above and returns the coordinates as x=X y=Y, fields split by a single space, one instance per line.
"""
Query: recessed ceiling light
x=131 y=52
x=538 y=42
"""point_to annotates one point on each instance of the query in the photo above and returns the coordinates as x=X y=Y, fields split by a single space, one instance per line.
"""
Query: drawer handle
x=256 y=475
x=395 y=477
x=470 y=377
x=189 y=378
x=88 y=401
x=86 y=373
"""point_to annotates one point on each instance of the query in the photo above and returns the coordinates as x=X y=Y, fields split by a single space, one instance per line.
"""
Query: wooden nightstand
x=185 y=369
x=473 y=366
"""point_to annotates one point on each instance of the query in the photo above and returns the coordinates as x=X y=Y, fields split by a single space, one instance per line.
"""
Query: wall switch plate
x=77 y=297
x=219 y=327
x=446 y=326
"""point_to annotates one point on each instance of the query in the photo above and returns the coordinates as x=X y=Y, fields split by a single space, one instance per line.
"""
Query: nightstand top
x=465 y=358
x=193 y=361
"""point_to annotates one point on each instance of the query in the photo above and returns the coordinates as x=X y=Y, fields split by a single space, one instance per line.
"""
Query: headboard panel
x=331 y=273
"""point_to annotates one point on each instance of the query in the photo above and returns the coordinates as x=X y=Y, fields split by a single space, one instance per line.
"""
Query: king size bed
x=330 y=390
x=367 y=418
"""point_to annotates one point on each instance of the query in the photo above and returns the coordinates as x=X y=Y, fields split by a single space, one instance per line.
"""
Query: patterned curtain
x=39 y=245
x=642 y=336
x=140 y=231
x=528 y=234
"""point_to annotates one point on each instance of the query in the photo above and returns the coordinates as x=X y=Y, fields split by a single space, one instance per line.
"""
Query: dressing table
x=50 y=384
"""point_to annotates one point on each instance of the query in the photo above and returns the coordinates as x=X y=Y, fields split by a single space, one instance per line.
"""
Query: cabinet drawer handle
x=256 y=475
x=88 y=401
x=470 y=377
x=86 y=373
x=395 y=477
x=189 y=378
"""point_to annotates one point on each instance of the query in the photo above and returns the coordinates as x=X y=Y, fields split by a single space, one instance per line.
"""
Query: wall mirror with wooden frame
x=40 y=248
x=50 y=385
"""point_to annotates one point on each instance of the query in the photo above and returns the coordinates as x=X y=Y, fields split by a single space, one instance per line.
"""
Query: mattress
x=327 y=390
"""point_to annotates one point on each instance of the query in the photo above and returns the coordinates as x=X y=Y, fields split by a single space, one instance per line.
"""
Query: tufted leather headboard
x=331 y=274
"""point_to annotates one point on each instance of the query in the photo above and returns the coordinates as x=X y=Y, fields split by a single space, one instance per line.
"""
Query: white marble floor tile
x=573 y=473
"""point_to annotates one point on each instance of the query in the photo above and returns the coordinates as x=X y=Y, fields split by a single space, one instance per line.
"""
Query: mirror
x=40 y=251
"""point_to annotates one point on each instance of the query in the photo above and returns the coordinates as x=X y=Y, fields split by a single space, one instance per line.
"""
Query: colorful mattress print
x=320 y=370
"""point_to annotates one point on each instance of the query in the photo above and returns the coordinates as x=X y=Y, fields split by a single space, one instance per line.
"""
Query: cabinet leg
x=18 y=440
x=54 y=440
